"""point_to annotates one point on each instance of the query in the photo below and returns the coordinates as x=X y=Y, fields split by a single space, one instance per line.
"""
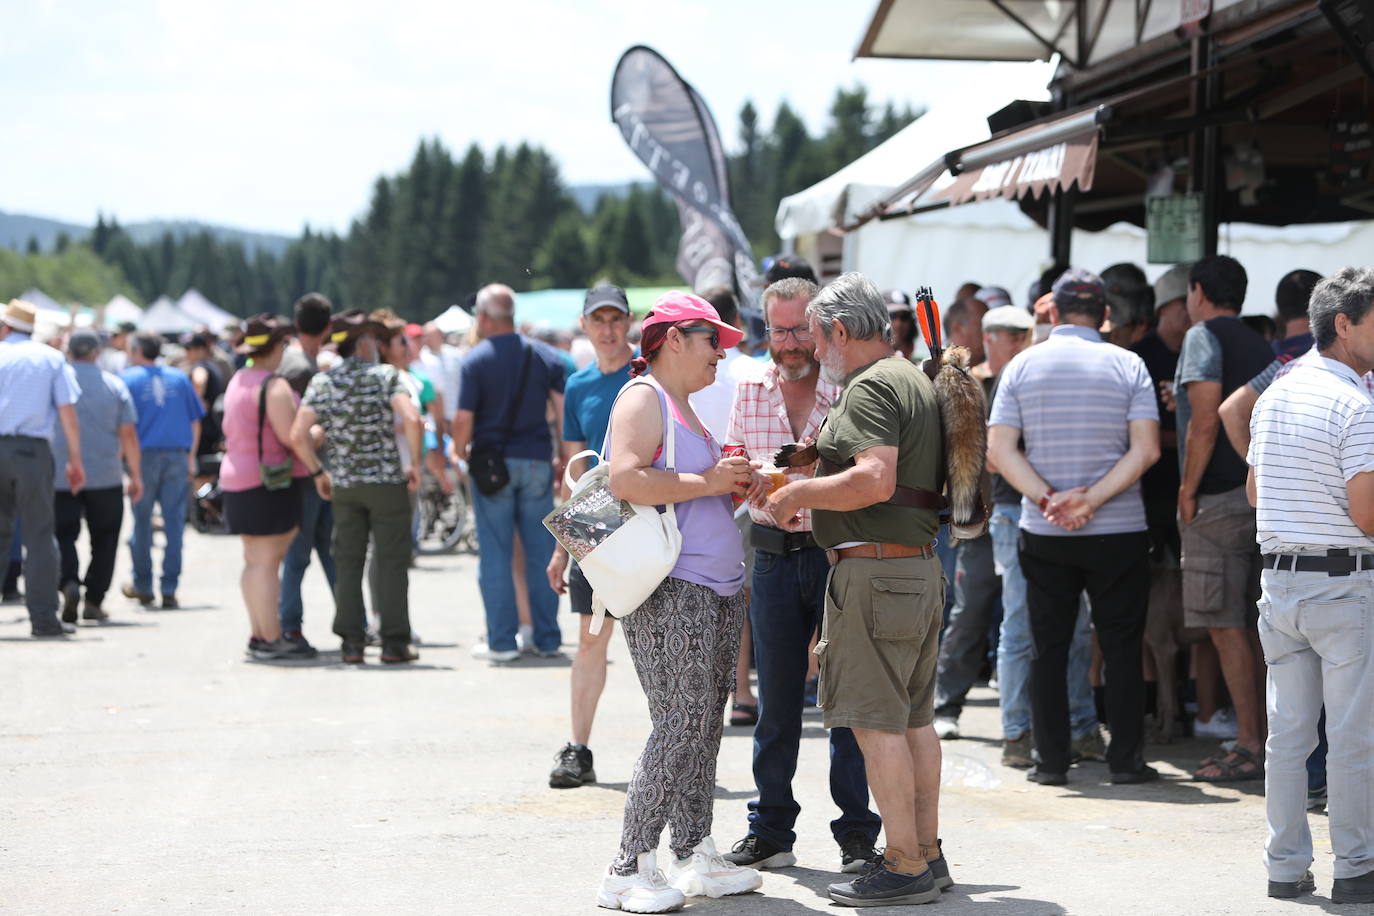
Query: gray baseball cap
x=605 y=296
x=83 y=342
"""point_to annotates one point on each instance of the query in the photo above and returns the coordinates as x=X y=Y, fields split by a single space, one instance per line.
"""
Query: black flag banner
x=668 y=126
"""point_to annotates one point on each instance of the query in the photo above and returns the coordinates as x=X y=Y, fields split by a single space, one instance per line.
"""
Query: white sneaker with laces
x=646 y=891
x=1221 y=726
x=524 y=638
x=705 y=873
x=946 y=729
x=498 y=656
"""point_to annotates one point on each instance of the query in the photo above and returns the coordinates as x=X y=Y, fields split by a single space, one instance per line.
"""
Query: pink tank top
x=239 y=471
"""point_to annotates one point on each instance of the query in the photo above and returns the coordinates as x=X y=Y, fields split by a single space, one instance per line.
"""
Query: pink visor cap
x=675 y=306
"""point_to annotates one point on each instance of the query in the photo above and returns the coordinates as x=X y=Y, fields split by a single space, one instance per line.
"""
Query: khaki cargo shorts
x=1221 y=563
x=880 y=642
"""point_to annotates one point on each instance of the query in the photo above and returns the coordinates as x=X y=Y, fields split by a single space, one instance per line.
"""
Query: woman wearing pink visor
x=685 y=637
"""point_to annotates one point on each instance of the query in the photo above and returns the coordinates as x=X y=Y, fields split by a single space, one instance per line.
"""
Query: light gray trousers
x=1315 y=630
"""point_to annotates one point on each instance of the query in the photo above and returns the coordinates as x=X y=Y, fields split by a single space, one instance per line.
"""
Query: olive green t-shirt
x=888 y=402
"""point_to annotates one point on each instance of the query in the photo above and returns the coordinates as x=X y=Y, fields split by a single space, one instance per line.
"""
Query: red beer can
x=734 y=451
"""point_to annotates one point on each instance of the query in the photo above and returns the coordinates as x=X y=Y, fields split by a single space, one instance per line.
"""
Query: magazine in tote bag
x=624 y=549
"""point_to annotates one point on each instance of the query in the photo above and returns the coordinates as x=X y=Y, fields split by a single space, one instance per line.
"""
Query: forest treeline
x=447 y=224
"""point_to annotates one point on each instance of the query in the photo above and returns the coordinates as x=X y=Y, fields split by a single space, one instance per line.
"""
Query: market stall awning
x=1055 y=156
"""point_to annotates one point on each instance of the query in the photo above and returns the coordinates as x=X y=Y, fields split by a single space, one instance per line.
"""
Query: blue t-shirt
x=587 y=404
x=490 y=371
x=167 y=405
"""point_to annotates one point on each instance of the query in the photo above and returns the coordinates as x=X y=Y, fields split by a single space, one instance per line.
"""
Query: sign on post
x=1173 y=226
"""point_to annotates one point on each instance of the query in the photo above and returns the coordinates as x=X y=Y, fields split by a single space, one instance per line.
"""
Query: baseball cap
x=993 y=297
x=1008 y=317
x=1079 y=285
x=83 y=342
x=897 y=301
x=414 y=330
x=1172 y=284
x=675 y=305
x=605 y=295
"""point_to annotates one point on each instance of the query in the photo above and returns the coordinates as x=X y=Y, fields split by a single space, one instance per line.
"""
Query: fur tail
x=963 y=410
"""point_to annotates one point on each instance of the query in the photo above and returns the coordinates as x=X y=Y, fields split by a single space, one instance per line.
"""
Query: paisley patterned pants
x=684 y=640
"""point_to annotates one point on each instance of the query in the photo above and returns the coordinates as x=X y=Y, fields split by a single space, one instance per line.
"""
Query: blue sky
x=268 y=114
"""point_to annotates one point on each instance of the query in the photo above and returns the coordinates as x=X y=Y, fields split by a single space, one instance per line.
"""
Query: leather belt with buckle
x=1336 y=562
x=879 y=552
x=779 y=542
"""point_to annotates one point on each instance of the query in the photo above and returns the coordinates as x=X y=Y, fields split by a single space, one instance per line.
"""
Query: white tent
x=164 y=317
x=121 y=308
x=49 y=310
x=453 y=321
x=203 y=311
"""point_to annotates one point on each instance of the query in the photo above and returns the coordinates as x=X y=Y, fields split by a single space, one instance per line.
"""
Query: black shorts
x=261 y=511
x=579 y=591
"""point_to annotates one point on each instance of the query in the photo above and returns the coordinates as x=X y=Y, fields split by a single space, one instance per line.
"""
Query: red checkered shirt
x=759 y=422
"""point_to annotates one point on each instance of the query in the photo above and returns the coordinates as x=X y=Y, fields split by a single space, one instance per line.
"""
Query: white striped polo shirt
x=1311 y=431
x=1072 y=398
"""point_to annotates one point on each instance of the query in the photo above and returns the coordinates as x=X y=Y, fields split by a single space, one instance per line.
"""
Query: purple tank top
x=712 y=552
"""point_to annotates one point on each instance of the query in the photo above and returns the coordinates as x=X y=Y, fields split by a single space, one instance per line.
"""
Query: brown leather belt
x=879 y=552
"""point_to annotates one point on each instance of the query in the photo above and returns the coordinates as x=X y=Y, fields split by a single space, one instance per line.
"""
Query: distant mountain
x=17 y=228
x=586 y=195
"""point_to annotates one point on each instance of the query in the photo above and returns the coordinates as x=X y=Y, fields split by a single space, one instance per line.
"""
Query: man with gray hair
x=109 y=432
x=507 y=388
x=875 y=500
x=1311 y=478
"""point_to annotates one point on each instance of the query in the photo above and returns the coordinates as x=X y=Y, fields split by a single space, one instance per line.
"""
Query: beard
x=832 y=368
x=794 y=373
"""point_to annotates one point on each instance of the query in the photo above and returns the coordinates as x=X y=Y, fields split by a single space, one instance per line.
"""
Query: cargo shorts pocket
x=897 y=608
x=825 y=687
x=1204 y=582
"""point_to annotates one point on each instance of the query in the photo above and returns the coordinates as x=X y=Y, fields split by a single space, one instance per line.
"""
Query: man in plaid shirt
x=788 y=404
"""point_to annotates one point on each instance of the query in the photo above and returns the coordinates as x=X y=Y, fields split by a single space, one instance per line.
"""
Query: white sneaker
x=705 y=873
x=498 y=656
x=946 y=729
x=1221 y=726
x=646 y=891
x=524 y=638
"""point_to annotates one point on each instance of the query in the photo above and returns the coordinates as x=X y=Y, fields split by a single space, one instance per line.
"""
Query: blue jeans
x=520 y=506
x=166 y=482
x=1014 y=647
x=785 y=608
x=316 y=531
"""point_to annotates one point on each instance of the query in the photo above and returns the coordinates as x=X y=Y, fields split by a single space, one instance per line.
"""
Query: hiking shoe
x=398 y=654
x=269 y=650
x=880 y=886
x=1016 y=752
x=946 y=729
x=856 y=853
x=705 y=873
x=60 y=631
x=573 y=767
x=1288 y=890
x=351 y=652
x=169 y=603
x=1359 y=889
x=300 y=646
x=939 y=866
x=646 y=891
x=71 y=597
x=94 y=612
x=495 y=656
x=755 y=852
x=144 y=598
x=1046 y=778
x=1088 y=747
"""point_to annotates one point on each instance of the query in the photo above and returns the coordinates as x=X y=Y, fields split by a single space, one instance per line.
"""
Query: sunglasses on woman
x=714 y=339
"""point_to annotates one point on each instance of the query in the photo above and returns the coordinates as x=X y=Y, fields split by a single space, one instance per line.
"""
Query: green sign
x=1173 y=224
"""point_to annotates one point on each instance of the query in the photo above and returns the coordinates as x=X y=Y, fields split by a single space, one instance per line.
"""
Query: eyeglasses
x=801 y=333
x=714 y=339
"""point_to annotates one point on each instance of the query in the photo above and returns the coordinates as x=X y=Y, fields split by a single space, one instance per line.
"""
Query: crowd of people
x=1132 y=430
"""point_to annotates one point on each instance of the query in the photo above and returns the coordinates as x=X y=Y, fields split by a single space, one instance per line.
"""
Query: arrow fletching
x=928 y=316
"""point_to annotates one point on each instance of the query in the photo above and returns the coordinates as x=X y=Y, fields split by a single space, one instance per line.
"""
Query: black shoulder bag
x=487 y=466
x=273 y=476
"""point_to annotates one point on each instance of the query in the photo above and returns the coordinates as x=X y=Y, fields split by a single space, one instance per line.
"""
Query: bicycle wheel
x=445 y=519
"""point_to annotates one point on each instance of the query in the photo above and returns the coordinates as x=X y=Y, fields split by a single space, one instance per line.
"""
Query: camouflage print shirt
x=353 y=404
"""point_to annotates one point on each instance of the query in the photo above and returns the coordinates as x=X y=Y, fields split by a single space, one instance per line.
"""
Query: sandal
x=744 y=714
x=1240 y=765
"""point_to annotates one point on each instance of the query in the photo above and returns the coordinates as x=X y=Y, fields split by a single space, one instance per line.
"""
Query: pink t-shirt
x=239 y=471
